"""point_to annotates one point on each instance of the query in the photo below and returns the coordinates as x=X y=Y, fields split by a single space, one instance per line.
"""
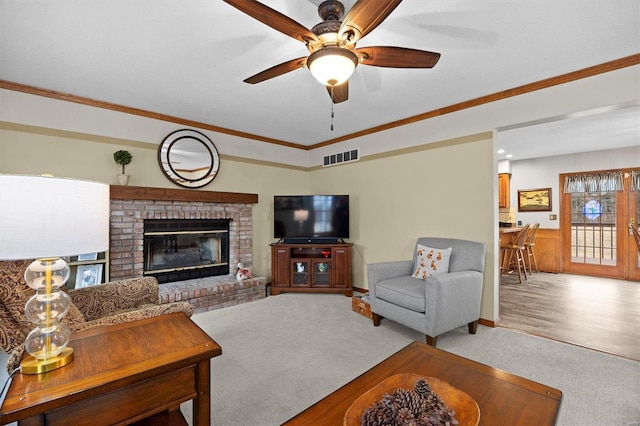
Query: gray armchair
x=436 y=304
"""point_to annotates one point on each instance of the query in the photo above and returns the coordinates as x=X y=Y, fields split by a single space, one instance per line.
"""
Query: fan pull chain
x=332 y=108
x=332 y=116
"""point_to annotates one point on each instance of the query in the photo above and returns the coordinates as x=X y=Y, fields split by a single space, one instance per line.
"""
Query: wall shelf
x=119 y=192
x=97 y=270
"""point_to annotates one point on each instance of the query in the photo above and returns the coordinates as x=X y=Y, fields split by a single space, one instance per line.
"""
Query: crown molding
x=520 y=90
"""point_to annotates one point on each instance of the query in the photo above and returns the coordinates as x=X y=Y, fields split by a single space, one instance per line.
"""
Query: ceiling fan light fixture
x=332 y=65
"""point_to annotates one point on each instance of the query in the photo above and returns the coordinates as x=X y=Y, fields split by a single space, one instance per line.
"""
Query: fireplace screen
x=176 y=250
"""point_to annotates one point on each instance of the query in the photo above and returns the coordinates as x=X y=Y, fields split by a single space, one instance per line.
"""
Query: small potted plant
x=123 y=158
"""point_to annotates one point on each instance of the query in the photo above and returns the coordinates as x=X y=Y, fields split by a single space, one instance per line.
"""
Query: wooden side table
x=138 y=371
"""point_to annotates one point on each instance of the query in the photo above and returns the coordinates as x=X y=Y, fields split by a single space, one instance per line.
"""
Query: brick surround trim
x=131 y=205
x=126 y=230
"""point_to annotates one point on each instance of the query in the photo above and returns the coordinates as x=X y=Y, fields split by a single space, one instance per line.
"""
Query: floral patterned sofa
x=114 y=302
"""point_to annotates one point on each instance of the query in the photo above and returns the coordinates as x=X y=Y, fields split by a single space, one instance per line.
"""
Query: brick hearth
x=130 y=206
x=210 y=293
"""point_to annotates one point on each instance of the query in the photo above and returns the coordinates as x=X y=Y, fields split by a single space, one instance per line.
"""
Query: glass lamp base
x=32 y=365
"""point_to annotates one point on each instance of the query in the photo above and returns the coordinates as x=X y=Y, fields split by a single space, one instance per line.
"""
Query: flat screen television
x=310 y=218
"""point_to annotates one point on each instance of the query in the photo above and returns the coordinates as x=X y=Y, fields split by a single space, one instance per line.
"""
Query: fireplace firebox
x=179 y=249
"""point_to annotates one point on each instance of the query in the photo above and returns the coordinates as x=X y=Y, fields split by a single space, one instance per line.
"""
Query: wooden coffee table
x=503 y=398
x=121 y=374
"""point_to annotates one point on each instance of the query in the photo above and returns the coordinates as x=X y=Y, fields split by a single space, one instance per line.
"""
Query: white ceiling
x=605 y=128
x=188 y=58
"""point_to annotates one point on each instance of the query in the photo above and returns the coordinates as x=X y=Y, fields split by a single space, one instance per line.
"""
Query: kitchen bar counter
x=507 y=235
x=509 y=230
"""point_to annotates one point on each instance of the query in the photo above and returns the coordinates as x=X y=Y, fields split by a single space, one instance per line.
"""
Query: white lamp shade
x=332 y=66
x=43 y=217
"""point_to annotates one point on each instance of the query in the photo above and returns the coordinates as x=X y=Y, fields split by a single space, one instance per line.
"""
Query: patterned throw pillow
x=431 y=261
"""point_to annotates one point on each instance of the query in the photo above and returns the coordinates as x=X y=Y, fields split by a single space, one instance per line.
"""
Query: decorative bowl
x=326 y=253
x=466 y=409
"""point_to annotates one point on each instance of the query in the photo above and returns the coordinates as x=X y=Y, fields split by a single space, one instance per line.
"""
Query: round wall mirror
x=188 y=158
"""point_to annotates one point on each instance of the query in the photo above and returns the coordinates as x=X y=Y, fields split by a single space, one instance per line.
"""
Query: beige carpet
x=286 y=352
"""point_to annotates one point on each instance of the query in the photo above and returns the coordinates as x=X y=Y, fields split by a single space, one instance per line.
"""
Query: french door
x=634 y=216
x=597 y=208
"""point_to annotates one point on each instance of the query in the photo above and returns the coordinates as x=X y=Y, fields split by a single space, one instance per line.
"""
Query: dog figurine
x=242 y=273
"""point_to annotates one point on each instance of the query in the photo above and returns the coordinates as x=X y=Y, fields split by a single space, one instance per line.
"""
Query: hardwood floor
x=598 y=313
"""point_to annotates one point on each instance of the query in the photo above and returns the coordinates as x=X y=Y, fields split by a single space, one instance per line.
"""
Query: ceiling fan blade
x=277 y=70
x=274 y=19
x=339 y=93
x=364 y=16
x=396 y=57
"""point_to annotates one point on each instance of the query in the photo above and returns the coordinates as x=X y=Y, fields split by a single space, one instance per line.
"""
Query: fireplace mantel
x=189 y=195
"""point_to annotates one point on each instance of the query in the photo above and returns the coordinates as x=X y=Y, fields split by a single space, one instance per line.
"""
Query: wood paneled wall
x=548 y=250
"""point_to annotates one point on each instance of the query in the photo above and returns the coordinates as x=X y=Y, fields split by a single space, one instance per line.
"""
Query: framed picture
x=534 y=200
x=87 y=256
x=88 y=275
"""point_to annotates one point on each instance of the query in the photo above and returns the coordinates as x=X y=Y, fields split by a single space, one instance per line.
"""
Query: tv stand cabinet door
x=341 y=266
x=281 y=262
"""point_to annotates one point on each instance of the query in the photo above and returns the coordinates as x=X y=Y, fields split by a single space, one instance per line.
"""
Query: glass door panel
x=321 y=271
x=593 y=228
x=300 y=273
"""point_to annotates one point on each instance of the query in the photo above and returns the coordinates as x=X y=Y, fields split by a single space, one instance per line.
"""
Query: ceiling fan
x=332 y=43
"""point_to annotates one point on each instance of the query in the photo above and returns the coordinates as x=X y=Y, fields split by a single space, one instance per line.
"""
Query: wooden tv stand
x=324 y=268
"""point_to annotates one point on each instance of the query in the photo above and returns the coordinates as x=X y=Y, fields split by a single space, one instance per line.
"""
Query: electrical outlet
x=553 y=217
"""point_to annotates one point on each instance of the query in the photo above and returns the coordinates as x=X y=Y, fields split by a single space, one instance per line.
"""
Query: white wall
x=446 y=187
x=35 y=150
x=610 y=88
x=545 y=173
x=443 y=191
x=46 y=113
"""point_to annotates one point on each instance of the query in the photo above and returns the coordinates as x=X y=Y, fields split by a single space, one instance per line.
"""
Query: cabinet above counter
x=504 y=188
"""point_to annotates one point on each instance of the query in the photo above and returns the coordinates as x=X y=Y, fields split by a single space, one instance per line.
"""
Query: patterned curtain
x=598 y=182
x=635 y=180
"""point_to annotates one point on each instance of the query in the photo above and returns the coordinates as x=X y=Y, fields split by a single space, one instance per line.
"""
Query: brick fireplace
x=131 y=206
x=182 y=249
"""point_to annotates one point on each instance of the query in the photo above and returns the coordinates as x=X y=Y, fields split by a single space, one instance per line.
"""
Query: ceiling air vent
x=341 y=157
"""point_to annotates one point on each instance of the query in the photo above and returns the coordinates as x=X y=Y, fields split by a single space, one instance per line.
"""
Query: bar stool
x=517 y=248
x=529 y=244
